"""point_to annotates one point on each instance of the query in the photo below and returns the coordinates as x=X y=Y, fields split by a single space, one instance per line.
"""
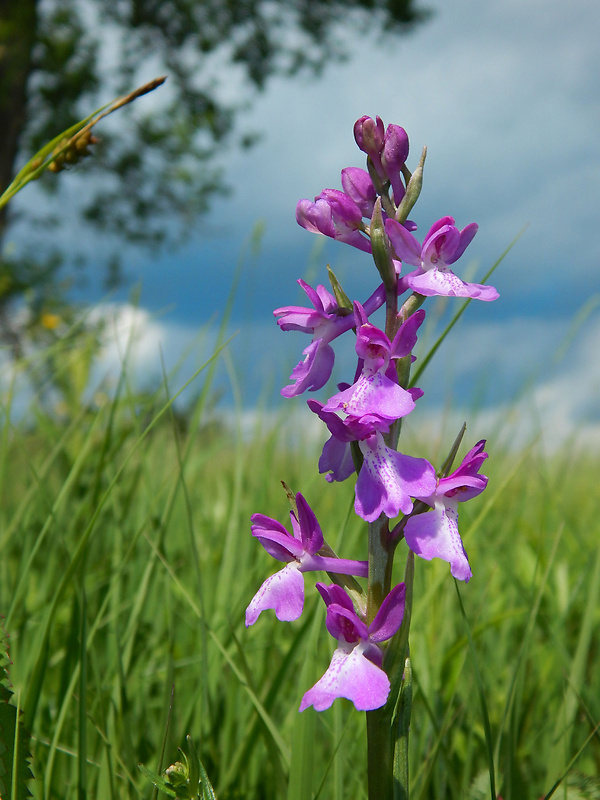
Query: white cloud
x=142 y=344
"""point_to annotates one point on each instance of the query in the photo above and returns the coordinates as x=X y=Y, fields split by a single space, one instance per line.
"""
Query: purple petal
x=260 y=521
x=373 y=394
x=466 y=237
x=336 y=566
x=350 y=675
x=311 y=533
x=336 y=459
x=443 y=222
x=372 y=345
x=358 y=185
x=275 y=538
x=281 y=546
x=284 y=592
x=395 y=147
x=473 y=461
x=352 y=237
x=406 y=246
x=388 y=479
x=395 y=153
x=445 y=283
x=389 y=617
x=313 y=372
x=434 y=534
x=315 y=217
x=342 y=206
x=466 y=482
x=334 y=424
x=439 y=248
x=360 y=315
x=406 y=338
x=297 y=318
x=352 y=428
x=462 y=487
x=332 y=593
x=369 y=136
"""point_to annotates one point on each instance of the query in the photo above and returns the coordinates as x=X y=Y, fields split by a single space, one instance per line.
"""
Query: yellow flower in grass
x=50 y=321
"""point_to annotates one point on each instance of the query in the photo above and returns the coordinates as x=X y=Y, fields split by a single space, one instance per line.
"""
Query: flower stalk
x=409 y=506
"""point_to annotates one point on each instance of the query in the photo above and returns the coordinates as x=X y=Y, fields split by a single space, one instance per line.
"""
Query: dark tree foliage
x=155 y=168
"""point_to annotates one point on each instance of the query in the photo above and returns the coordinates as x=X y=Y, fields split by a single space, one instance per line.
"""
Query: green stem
x=400 y=672
x=402 y=727
x=380 y=562
x=380 y=749
x=387 y=727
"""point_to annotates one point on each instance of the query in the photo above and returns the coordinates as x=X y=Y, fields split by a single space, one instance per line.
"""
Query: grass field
x=126 y=564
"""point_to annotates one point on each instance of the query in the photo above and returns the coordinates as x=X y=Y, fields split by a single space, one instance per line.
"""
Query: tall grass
x=126 y=564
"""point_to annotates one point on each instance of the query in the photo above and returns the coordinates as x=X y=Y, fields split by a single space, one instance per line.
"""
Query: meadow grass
x=126 y=564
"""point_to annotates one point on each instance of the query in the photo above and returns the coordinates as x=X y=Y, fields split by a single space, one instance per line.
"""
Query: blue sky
x=505 y=96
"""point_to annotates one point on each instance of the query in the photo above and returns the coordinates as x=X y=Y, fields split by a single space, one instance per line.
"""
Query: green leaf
x=14 y=740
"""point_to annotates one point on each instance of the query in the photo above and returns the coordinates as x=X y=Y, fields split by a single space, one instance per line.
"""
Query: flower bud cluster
x=363 y=417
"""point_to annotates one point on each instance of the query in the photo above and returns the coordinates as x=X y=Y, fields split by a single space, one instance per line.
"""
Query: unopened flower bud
x=369 y=135
x=177 y=774
x=393 y=158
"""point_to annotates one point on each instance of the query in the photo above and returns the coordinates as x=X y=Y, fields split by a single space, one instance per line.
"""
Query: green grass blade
x=565 y=716
x=482 y=701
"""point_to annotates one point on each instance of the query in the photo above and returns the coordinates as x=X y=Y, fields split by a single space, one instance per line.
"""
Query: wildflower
x=49 y=321
x=326 y=321
x=443 y=245
x=434 y=534
x=355 y=670
x=393 y=158
x=284 y=591
x=370 y=137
